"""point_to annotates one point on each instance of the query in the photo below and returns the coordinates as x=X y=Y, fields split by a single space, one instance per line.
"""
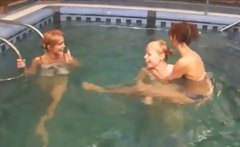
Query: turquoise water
x=112 y=55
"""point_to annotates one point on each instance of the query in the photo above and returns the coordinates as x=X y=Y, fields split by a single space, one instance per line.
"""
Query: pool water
x=112 y=55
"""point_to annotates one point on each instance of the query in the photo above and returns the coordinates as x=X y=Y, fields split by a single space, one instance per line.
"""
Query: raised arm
x=73 y=62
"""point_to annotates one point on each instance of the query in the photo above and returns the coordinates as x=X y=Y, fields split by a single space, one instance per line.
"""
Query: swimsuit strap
x=41 y=59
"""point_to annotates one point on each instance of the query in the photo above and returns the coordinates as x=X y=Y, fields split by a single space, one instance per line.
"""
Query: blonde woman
x=147 y=84
x=54 y=66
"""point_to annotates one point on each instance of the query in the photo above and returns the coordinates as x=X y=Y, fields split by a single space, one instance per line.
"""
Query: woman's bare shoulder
x=37 y=60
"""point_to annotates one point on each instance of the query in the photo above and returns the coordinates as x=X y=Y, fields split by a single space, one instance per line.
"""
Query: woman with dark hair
x=147 y=84
x=198 y=85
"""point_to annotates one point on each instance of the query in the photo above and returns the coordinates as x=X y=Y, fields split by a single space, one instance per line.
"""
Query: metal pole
x=206 y=7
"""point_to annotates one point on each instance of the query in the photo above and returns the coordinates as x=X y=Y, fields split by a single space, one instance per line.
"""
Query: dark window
x=40 y=26
x=215 y=28
x=3 y=48
x=163 y=24
x=108 y=20
x=24 y=35
x=128 y=21
x=118 y=21
x=88 y=19
x=204 y=27
x=69 y=18
x=98 y=19
x=235 y=29
x=139 y=22
x=78 y=18
x=18 y=38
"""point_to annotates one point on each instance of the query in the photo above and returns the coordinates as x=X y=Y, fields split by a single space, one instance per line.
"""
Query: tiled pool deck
x=120 y=13
x=149 y=5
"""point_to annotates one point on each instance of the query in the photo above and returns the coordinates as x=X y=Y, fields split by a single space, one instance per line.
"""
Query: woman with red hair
x=198 y=85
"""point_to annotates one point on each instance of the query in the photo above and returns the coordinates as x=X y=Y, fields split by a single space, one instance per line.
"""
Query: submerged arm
x=141 y=74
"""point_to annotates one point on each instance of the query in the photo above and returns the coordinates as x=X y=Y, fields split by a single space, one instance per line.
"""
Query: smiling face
x=154 y=54
x=57 y=48
x=53 y=42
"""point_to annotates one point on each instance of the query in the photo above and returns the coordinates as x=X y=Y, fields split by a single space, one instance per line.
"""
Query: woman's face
x=153 y=56
x=58 y=48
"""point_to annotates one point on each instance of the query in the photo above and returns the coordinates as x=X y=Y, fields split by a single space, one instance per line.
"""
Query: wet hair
x=165 y=49
x=184 y=32
x=51 y=38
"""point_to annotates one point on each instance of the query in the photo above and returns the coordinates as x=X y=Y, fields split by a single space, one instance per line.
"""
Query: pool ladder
x=229 y=26
x=21 y=24
x=18 y=55
x=13 y=47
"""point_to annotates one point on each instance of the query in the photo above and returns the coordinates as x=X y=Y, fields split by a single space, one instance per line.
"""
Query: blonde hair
x=51 y=38
x=163 y=48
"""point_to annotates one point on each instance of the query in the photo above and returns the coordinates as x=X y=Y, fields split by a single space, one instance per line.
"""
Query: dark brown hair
x=184 y=32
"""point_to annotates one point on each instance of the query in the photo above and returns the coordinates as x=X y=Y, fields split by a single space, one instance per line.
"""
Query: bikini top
x=53 y=69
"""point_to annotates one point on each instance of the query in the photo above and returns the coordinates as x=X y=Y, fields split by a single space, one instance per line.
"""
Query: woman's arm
x=180 y=69
x=142 y=74
x=73 y=62
x=33 y=67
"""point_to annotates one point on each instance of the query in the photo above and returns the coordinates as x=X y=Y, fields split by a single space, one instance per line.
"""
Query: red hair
x=51 y=38
x=184 y=32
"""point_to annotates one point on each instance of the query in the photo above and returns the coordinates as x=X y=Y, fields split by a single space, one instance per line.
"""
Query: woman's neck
x=52 y=56
x=183 y=49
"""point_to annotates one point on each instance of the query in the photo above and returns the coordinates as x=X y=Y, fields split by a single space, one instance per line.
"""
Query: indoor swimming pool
x=84 y=118
x=112 y=54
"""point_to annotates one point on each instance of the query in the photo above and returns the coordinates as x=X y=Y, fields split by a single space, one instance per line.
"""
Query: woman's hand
x=68 y=56
x=70 y=60
x=21 y=63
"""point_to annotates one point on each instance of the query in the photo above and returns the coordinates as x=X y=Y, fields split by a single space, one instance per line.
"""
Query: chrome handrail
x=21 y=24
x=13 y=47
x=229 y=26
x=19 y=56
